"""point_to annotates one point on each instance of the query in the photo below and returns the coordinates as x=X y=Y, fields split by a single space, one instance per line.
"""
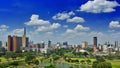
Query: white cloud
x=47 y=28
x=65 y=26
x=78 y=28
x=55 y=25
x=3 y=28
x=95 y=33
x=63 y=15
x=111 y=30
x=98 y=6
x=76 y=20
x=82 y=28
x=34 y=20
x=49 y=33
x=18 y=31
x=114 y=24
x=70 y=31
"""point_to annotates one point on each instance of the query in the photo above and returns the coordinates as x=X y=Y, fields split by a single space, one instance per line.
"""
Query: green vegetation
x=67 y=56
x=50 y=66
x=101 y=63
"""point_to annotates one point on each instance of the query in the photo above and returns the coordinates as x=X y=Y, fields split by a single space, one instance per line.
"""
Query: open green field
x=115 y=63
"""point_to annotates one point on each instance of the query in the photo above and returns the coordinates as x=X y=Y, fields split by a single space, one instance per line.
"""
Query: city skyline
x=74 y=21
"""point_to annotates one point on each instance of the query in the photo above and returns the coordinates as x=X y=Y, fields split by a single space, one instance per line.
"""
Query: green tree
x=50 y=66
x=29 y=58
x=36 y=62
x=101 y=63
x=82 y=61
x=88 y=61
x=69 y=55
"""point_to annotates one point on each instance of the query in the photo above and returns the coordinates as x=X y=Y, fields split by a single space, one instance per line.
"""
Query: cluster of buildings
x=16 y=43
x=106 y=48
x=22 y=43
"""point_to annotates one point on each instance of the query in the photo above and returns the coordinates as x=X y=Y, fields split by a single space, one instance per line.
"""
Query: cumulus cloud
x=76 y=20
x=78 y=28
x=63 y=15
x=65 y=26
x=49 y=33
x=70 y=31
x=114 y=24
x=98 y=6
x=18 y=31
x=3 y=28
x=34 y=20
x=82 y=28
x=111 y=30
x=47 y=28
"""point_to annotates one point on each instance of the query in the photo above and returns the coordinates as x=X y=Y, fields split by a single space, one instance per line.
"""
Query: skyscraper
x=95 y=41
x=42 y=44
x=84 y=44
x=17 y=43
x=14 y=43
x=0 y=43
x=10 y=44
x=49 y=43
x=24 y=39
x=116 y=44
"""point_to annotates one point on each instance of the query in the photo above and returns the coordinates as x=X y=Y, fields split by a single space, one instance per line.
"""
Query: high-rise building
x=49 y=43
x=116 y=44
x=17 y=43
x=25 y=39
x=65 y=43
x=85 y=44
x=42 y=44
x=95 y=41
x=10 y=44
x=14 y=43
x=0 y=43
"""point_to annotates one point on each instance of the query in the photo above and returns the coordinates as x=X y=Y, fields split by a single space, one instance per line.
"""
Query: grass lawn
x=115 y=63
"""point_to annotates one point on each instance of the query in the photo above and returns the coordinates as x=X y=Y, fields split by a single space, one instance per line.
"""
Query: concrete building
x=25 y=40
x=95 y=41
x=14 y=43
x=84 y=44
x=0 y=43
x=17 y=42
x=49 y=43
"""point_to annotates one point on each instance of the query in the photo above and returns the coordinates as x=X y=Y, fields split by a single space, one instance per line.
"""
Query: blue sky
x=74 y=21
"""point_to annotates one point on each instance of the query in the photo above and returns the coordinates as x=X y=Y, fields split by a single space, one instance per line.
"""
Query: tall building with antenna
x=24 y=39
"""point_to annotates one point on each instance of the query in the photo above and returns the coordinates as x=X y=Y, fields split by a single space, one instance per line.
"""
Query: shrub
x=36 y=62
x=14 y=63
x=50 y=66
x=101 y=65
x=82 y=61
x=88 y=61
x=56 y=57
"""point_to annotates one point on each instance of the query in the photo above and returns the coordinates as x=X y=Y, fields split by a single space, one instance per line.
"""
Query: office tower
x=25 y=39
x=0 y=43
x=42 y=44
x=95 y=41
x=116 y=44
x=49 y=43
x=10 y=44
x=14 y=43
x=84 y=44
x=65 y=43
x=17 y=42
x=107 y=43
